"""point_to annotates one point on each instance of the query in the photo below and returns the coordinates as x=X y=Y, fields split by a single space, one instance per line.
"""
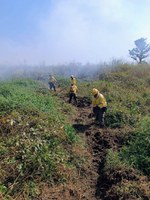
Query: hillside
x=52 y=150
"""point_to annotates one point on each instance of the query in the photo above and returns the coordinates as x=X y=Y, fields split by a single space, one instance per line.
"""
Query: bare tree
x=140 y=52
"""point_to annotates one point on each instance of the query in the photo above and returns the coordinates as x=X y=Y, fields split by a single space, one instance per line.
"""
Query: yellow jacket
x=52 y=79
x=99 y=101
x=73 y=89
x=73 y=81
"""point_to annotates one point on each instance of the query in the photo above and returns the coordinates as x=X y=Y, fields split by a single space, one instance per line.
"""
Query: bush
x=115 y=118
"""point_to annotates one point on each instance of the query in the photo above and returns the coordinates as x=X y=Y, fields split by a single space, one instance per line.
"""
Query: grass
x=38 y=144
x=136 y=150
x=35 y=138
x=127 y=91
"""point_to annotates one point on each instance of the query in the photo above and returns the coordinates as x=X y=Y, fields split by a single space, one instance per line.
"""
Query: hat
x=72 y=76
x=94 y=91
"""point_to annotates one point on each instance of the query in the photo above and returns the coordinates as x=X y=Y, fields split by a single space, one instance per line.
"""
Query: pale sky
x=62 y=31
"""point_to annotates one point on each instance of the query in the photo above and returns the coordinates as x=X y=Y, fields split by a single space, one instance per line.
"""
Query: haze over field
x=55 y=32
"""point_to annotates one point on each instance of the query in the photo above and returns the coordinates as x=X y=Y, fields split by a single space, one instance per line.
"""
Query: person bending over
x=99 y=107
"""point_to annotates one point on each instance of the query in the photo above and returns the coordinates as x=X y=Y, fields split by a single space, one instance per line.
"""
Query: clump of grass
x=71 y=135
x=113 y=161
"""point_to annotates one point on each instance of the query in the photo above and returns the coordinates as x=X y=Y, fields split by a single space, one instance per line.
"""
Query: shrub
x=115 y=118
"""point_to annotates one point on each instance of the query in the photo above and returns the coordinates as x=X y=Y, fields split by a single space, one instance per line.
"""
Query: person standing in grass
x=73 y=93
x=52 y=83
x=99 y=107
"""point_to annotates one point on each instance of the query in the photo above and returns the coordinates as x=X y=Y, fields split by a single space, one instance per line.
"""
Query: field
x=50 y=149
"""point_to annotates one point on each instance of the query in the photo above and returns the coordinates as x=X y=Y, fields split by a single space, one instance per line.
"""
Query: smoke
x=88 y=71
x=75 y=31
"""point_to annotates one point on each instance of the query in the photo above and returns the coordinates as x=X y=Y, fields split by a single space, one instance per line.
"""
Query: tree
x=140 y=52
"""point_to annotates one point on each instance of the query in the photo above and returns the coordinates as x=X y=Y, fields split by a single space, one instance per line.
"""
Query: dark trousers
x=100 y=114
x=52 y=86
x=73 y=96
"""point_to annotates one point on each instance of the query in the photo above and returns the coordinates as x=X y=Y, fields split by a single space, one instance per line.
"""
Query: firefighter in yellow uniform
x=52 y=83
x=73 y=93
x=73 y=80
x=99 y=107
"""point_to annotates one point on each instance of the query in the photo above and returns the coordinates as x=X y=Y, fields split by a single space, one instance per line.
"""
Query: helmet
x=71 y=76
x=94 y=91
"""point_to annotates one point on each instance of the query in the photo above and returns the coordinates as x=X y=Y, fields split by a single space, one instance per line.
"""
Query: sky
x=53 y=32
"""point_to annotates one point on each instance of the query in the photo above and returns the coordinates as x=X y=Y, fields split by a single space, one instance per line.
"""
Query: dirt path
x=98 y=142
x=95 y=184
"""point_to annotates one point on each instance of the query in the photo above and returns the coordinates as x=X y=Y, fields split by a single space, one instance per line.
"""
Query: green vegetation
x=39 y=145
x=127 y=90
x=35 y=139
x=137 y=149
x=130 y=107
x=129 y=168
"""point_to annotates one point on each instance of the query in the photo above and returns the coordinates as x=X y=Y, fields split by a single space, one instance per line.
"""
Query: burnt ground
x=95 y=184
